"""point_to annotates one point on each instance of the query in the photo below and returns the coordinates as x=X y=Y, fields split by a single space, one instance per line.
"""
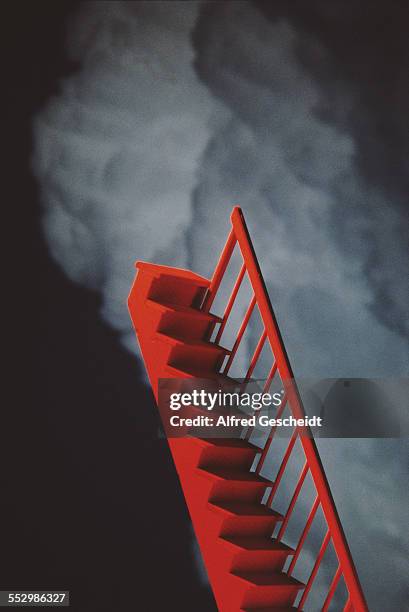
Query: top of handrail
x=237 y=212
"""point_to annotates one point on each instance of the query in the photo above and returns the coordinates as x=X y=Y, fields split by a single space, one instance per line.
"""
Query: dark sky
x=90 y=500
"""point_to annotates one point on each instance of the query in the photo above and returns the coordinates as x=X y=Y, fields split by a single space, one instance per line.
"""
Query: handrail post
x=220 y=270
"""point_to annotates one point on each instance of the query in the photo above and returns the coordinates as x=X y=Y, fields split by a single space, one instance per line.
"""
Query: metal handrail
x=239 y=235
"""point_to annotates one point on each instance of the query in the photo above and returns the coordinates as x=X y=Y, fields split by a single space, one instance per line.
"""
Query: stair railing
x=239 y=235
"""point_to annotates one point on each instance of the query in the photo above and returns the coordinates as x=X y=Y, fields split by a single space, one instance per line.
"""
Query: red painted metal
x=220 y=270
x=240 y=334
x=267 y=445
x=231 y=301
x=315 y=569
x=293 y=501
x=256 y=355
x=332 y=589
x=270 y=377
x=170 y=309
x=283 y=465
x=304 y=534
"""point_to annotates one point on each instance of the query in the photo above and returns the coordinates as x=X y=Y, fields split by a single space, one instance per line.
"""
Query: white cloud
x=118 y=149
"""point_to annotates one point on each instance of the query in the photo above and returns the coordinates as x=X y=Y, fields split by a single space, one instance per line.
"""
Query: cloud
x=331 y=243
x=117 y=150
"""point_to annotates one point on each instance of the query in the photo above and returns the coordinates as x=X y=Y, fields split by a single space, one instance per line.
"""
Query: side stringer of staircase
x=170 y=310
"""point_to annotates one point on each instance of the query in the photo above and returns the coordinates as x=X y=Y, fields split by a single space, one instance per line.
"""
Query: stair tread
x=226 y=473
x=201 y=410
x=206 y=374
x=246 y=509
x=170 y=306
x=228 y=442
x=258 y=543
x=270 y=609
x=159 y=270
x=269 y=579
x=200 y=344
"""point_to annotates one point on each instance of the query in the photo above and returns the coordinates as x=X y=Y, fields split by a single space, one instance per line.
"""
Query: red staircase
x=248 y=569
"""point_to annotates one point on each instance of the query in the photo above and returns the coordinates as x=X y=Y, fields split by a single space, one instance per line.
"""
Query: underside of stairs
x=233 y=526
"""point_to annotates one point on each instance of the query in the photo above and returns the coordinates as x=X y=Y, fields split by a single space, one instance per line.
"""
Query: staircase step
x=257 y=553
x=226 y=452
x=197 y=345
x=235 y=443
x=244 y=519
x=267 y=589
x=273 y=609
x=191 y=372
x=235 y=485
x=222 y=473
x=258 y=543
x=169 y=307
x=180 y=320
x=159 y=270
x=166 y=284
x=243 y=509
x=185 y=352
x=270 y=579
x=199 y=431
